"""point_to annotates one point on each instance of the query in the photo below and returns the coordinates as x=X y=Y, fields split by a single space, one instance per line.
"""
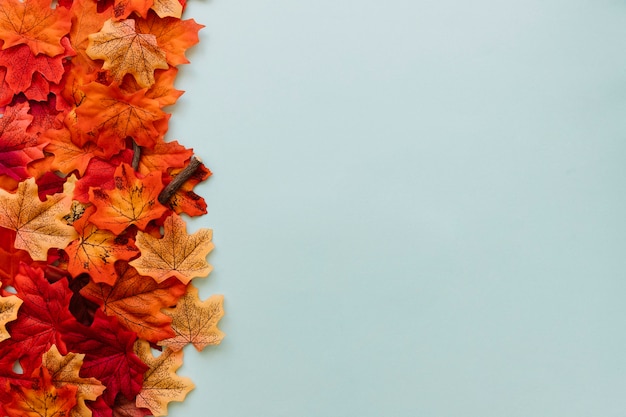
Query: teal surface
x=419 y=207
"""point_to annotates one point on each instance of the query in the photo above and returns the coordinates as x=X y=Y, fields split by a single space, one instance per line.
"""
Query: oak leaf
x=161 y=385
x=65 y=370
x=137 y=301
x=38 y=224
x=125 y=51
x=8 y=312
x=176 y=254
x=42 y=399
x=195 y=321
x=133 y=201
x=34 y=23
x=174 y=36
x=96 y=250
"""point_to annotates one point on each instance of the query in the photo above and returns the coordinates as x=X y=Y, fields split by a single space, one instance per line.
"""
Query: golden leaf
x=65 y=370
x=125 y=51
x=38 y=224
x=161 y=385
x=8 y=312
x=176 y=254
x=195 y=321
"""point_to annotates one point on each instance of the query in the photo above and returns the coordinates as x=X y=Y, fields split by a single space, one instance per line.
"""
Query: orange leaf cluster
x=96 y=262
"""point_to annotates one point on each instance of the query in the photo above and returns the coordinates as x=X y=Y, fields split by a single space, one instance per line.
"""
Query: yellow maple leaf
x=8 y=312
x=38 y=224
x=125 y=51
x=176 y=254
x=195 y=321
x=161 y=385
x=65 y=370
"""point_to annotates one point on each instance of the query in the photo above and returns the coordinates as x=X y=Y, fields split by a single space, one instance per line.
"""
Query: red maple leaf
x=41 y=317
x=109 y=356
x=99 y=173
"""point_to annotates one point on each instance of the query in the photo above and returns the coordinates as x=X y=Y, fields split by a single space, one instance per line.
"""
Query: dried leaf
x=161 y=385
x=195 y=321
x=176 y=254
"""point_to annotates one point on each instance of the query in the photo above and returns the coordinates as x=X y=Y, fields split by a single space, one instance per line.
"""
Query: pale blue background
x=419 y=207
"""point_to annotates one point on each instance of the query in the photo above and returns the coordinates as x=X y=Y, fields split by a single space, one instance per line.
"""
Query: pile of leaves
x=96 y=264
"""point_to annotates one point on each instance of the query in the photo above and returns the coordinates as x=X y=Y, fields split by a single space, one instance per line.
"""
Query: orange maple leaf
x=34 y=23
x=111 y=115
x=123 y=8
x=8 y=312
x=162 y=90
x=161 y=385
x=132 y=201
x=67 y=155
x=65 y=370
x=38 y=224
x=96 y=250
x=195 y=321
x=125 y=51
x=174 y=36
x=86 y=20
x=164 y=156
x=42 y=399
x=137 y=301
x=176 y=254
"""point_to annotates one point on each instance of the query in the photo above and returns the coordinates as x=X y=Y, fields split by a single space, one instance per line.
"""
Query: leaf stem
x=179 y=180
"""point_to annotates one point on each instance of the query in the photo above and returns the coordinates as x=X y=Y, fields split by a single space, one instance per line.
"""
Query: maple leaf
x=127 y=408
x=86 y=20
x=42 y=315
x=132 y=201
x=165 y=8
x=96 y=250
x=161 y=385
x=137 y=301
x=34 y=23
x=10 y=257
x=176 y=254
x=42 y=399
x=109 y=356
x=162 y=90
x=163 y=156
x=65 y=370
x=125 y=51
x=174 y=36
x=99 y=173
x=38 y=224
x=8 y=312
x=67 y=155
x=195 y=321
x=22 y=64
x=185 y=200
x=113 y=115
x=123 y=8
x=17 y=146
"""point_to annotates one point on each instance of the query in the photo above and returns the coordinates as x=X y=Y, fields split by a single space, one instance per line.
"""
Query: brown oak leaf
x=176 y=254
x=161 y=385
x=38 y=223
x=195 y=321
x=65 y=370
x=125 y=51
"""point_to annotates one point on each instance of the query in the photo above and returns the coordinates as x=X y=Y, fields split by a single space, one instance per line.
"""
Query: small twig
x=179 y=180
x=136 y=155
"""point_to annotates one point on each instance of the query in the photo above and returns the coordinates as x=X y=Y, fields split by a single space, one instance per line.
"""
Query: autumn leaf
x=112 y=115
x=10 y=257
x=86 y=20
x=164 y=156
x=21 y=64
x=100 y=173
x=162 y=90
x=96 y=250
x=133 y=201
x=174 y=36
x=161 y=385
x=42 y=315
x=123 y=8
x=67 y=155
x=38 y=224
x=8 y=312
x=176 y=254
x=17 y=146
x=42 y=399
x=34 y=23
x=65 y=370
x=137 y=302
x=109 y=356
x=185 y=200
x=125 y=51
x=165 y=8
x=195 y=321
